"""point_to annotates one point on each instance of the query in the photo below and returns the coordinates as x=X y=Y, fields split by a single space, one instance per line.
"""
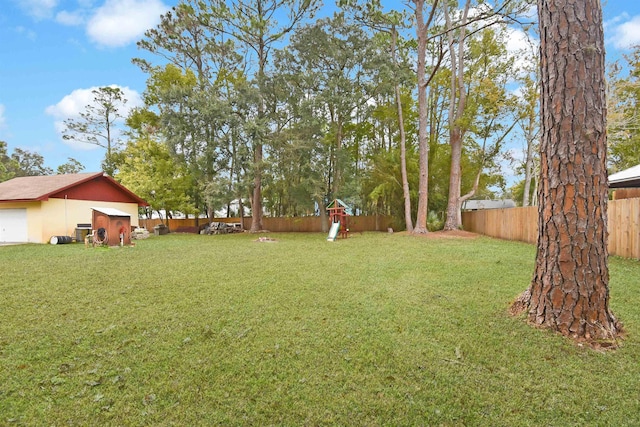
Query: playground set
x=338 y=219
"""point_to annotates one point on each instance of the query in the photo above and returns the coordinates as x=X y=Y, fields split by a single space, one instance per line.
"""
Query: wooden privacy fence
x=510 y=223
x=522 y=224
x=290 y=224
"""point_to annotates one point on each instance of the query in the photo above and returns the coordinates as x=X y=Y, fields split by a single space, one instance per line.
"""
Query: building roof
x=40 y=188
x=628 y=178
x=111 y=211
x=471 y=205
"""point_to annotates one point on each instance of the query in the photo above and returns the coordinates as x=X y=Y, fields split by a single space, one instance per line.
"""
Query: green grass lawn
x=379 y=329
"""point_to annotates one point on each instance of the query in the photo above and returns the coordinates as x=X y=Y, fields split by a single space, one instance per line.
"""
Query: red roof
x=41 y=188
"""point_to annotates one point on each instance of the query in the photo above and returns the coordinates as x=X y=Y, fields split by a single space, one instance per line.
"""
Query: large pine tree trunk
x=569 y=291
x=457 y=105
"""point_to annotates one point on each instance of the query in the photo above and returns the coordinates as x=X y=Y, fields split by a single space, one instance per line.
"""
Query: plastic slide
x=333 y=231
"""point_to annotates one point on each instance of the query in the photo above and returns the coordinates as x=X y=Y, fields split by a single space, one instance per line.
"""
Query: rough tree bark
x=457 y=105
x=422 y=27
x=569 y=292
x=423 y=143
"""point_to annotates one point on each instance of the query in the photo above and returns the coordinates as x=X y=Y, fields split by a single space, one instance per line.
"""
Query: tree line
x=406 y=112
x=22 y=162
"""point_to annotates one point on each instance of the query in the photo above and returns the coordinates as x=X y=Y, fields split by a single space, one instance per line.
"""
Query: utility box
x=160 y=230
x=81 y=232
x=116 y=223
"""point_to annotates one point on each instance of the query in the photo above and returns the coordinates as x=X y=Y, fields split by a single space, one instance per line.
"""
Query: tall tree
x=71 y=166
x=258 y=25
x=149 y=170
x=323 y=80
x=531 y=130
x=480 y=103
x=371 y=15
x=457 y=105
x=423 y=25
x=491 y=113
x=28 y=163
x=7 y=164
x=624 y=113
x=97 y=123
x=569 y=292
x=529 y=114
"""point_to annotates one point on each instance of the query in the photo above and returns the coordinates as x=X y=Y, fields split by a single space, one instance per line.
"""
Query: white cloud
x=608 y=24
x=29 y=34
x=626 y=34
x=522 y=48
x=70 y=107
x=70 y=18
x=120 y=22
x=38 y=9
x=517 y=40
x=518 y=92
x=2 y=118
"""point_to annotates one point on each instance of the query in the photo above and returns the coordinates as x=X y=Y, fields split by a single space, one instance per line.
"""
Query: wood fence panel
x=522 y=224
x=509 y=224
x=634 y=227
x=614 y=215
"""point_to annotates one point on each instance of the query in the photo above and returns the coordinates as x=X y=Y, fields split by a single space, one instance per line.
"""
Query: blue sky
x=54 y=52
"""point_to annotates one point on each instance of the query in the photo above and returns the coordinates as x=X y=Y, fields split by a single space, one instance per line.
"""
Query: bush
x=434 y=223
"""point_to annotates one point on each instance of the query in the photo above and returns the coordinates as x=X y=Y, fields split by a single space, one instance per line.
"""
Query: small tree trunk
x=403 y=144
x=256 y=204
x=403 y=165
x=324 y=224
x=241 y=213
x=528 y=169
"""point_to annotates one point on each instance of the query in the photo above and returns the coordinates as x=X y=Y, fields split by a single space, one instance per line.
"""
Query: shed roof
x=628 y=178
x=111 y=211
x=40 y=188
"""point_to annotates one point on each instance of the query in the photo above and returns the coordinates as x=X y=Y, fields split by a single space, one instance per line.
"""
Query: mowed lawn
x=378 y=329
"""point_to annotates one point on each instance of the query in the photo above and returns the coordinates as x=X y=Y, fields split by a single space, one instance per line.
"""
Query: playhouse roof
x=340 y=203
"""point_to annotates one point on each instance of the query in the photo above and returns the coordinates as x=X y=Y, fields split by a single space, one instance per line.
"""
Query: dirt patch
x=453 y=234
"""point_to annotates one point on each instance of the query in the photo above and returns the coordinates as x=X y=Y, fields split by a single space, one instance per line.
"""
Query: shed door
x=13 y=225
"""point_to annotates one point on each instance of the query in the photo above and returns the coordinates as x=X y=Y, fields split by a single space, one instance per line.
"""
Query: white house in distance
x=626 y=183
x=628 y=178
x=35 y=208
x=475 y=205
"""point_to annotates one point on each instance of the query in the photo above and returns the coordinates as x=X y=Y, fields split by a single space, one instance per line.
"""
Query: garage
x=13 y=226
x=36 y=208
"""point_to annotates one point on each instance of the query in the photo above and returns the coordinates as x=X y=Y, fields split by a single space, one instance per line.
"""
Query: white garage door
x=13 y=225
